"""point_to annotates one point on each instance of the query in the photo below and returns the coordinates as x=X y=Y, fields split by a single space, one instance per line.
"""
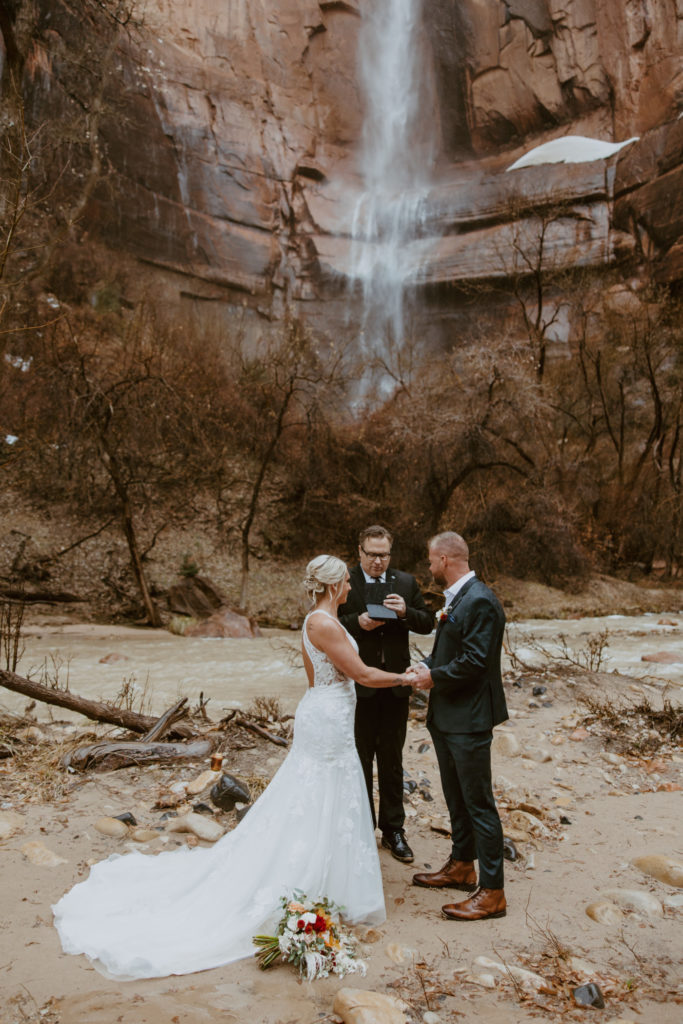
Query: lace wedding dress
x=145 y=916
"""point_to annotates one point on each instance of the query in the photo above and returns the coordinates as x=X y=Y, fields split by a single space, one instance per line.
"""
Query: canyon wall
x=225 y=134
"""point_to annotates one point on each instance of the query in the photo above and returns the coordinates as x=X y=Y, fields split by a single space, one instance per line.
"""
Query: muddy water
x=159 y=666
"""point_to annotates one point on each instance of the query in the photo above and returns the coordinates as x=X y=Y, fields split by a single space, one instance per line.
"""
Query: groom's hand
x=420 y=677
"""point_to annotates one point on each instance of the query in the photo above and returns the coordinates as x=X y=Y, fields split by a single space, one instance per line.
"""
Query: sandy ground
x=597 y=811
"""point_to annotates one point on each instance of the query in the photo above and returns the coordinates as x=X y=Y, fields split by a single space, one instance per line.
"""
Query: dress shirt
x=452 y=591
x=374 y=579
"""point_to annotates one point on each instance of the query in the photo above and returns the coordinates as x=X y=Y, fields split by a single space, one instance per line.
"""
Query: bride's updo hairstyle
x=323 y=572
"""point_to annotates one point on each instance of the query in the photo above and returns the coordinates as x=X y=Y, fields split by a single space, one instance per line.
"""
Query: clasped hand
x=419 y=677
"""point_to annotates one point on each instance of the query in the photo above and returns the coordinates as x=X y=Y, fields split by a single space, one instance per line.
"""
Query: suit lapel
x=451 y=608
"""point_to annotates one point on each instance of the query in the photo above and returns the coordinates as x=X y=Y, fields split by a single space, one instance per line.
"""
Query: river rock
x=198 y=825
x=38 y=853
x=637 y=900
x=539 y=754
x=527 y=979
x=10 y=824
x=112 y=827
x=505 y=744
x=31 y=734
x=664 y=657
x=664 y=869
x=605 y=912
x=527 y=823
x=199 y=784
x=399 y=954
x=229 y=791
x=674 y=902
x=144 y=835
x=358 y=1006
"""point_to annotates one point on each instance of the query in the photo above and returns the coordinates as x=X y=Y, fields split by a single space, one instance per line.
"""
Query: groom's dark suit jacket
x=388 y=645
x=468 y=695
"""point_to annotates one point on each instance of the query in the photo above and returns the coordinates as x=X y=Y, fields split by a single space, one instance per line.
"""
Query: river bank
x=579 y=799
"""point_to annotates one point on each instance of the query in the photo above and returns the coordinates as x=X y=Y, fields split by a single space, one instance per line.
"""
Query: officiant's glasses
x=374 y=556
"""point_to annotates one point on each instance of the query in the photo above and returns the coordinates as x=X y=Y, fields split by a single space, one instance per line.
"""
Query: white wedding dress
x=145 y=916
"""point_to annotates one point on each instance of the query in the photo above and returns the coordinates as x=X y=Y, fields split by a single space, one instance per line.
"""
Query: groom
x=382 y=714
x=465 y=703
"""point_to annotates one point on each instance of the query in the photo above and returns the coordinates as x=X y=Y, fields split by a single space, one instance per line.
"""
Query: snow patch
x=571 y=149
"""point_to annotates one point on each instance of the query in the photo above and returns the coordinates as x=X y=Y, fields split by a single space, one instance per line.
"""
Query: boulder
x=195 y=596
x=225 y=623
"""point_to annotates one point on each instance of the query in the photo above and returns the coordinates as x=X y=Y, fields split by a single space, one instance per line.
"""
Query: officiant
x=383 y=606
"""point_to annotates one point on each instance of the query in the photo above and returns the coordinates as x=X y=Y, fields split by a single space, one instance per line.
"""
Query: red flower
x=309 y=928
x=300 y=923
x=320 y=923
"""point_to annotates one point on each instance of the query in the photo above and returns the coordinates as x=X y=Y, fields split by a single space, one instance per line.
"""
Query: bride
x=143 y=916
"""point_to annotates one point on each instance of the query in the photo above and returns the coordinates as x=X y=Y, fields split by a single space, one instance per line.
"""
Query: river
x=158 y=666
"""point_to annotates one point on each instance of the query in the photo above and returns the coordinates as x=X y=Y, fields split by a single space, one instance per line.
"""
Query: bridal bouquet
x=309 y=935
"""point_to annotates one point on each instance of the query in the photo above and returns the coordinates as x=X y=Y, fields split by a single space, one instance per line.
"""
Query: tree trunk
x=96 y=710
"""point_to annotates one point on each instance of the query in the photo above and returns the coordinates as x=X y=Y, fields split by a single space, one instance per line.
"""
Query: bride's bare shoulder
x=322 y=624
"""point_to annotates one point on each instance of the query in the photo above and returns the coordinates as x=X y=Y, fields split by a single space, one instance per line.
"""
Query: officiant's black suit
x=465 y=703
x=382 y=714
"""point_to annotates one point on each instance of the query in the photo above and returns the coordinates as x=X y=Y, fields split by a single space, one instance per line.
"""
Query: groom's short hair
x=375 y=531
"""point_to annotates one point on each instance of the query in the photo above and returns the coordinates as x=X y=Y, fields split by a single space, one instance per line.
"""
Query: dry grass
x=635 y=728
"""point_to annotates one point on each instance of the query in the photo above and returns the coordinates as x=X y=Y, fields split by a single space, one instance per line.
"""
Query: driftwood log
x=98 y=711
x=39 y=596
x=260 y=731
x=108 y=756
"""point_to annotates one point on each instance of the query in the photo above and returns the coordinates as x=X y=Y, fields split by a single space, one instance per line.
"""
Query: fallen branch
x=260 y=731
x=108 y=756
x=96 y=710
x=175 y=713
x=39 y=596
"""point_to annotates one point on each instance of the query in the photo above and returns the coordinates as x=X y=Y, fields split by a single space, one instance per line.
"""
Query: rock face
x=230 y=133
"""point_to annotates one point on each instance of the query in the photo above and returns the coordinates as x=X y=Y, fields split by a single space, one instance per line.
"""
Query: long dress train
x=144 y=916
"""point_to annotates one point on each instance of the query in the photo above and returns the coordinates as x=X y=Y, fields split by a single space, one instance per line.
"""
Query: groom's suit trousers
x=465 y=703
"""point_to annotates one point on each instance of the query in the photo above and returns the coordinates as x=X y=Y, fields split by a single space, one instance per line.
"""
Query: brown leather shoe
x=481 y=904
x=455 y=874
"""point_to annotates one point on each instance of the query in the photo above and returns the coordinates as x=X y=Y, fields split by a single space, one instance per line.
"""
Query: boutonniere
x=442 y=614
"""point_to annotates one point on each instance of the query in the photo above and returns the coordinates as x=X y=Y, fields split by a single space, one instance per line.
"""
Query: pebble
x=538 y=754
x=198 y=825
x=528 y=823
x=38 y=853
x=579 y=734
x=429 y=1017
x=399 y=954
x=637 y=900
x=505 y=744
x=111 y=827
x=485 y=980
x=32 y=734
x=10 y=824
x=199 y=784
x=527 y=979
x=144 y=835
x=664 y=869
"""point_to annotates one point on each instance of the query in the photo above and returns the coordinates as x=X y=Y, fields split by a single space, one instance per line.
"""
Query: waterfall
x=396 y=158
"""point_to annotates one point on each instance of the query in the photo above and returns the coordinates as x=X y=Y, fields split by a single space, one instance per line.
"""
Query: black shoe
x=396 y=842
